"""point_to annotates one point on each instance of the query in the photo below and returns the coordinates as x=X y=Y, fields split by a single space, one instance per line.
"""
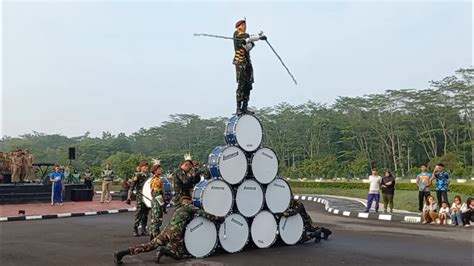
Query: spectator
x=442 y=183
x=56 y=178
x=456 y=213
x=88 y=178
x=423 y=181
x=107 y=178
x=75 y=177
x=444 y=213
x=388 y=190
x=374 y=190
x=429 y=210
x=467 y=212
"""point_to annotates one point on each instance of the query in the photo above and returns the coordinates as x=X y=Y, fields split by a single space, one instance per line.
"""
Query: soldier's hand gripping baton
x=281 y=61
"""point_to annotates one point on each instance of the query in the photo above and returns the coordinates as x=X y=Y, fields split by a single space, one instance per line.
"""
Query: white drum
x=291 y=229
x=214 y=196
x=249 y=198
x=244 y=131
x=146 y=191
x=264 y=165
x=234 y=233
x=264 y=229
x=228 y=163
x=278 y=195
x=200 y=237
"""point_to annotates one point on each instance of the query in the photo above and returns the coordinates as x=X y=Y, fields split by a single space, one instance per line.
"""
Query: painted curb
x=408 y=218
x=63 y=215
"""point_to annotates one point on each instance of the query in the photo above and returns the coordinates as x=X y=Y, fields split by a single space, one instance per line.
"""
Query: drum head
x=200 y=237
x=278 y=195
x=291 y=229
x=248 y=133
x=264 y=229
x=146 y=191
x=233 y=165
x=249 y=198
x=264 y=165
x=217 y=198
x=234 y=233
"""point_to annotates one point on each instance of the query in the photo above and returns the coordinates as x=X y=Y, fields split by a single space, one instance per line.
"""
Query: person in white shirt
x=456 y=210
x=374 y=190
x=444 y=213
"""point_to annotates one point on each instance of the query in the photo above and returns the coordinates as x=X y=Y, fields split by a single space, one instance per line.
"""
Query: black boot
x=135 y=231
x=119 y=255
x=244 y=108
x=326 y=233
x=316 y=235
x=239 y=108
x=160 y=253
x=144 y=232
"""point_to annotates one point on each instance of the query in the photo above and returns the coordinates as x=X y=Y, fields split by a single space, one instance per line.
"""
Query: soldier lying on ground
x=310 y=231
x=170 y=241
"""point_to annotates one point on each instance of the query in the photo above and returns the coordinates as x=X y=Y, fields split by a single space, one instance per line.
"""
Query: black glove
x=219 y=220
x=285 y=214
x=263 y=38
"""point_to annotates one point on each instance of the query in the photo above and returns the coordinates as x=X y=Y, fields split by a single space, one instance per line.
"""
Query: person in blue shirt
x=423 y=181
x=56 y=178
x=442 y=183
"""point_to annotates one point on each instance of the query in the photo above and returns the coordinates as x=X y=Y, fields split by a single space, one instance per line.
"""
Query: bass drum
x=214 y=196
x=278 y=195
x=244 y=131
x=228 y=163
x=249 y=198
x=291 y=229
x=264 y=229
x=264 y=165
x=146 y=191
x=200 y=237
x=234 y=233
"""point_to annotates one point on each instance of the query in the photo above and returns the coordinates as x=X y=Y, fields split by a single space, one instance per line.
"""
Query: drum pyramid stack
x=246 y=191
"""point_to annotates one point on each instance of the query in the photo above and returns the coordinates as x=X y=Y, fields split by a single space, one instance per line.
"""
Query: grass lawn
x=403 y=199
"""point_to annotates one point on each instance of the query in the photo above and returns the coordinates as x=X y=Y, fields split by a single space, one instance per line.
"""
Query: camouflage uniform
x=183 y=183
x=157 y=205
x=141 y=215
x=172 y=236
x=243 y=67
x=296 y=207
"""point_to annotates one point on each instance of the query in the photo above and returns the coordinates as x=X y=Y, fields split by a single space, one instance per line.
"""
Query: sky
x=74 y=66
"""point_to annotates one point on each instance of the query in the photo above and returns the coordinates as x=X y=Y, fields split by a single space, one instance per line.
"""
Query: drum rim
x=248 y=234
x=213 y=248
x=201 y=196
x=234 y=125
x=279 y=230
x=291 y=193
x=219 y=160
x=276 y=233
x=278 y=163
x=263 y=198
x=144 y=199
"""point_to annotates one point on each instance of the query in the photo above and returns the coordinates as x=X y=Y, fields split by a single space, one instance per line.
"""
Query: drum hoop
x=248 y=233
x=215 y=245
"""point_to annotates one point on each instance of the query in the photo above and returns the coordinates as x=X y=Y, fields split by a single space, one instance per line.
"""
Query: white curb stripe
x=346 y=213
x=363 y=215
x=297 y=197
x=336 y=211
x=303 y=197
x=310 y=198
x=315 y=199
x=34 y=217
x=132 y=209
x=412 y=219
x=386 y=217
x=330 y=210
x=90 y=213
x=3 y=219
x=113 y=211
x=62 y=215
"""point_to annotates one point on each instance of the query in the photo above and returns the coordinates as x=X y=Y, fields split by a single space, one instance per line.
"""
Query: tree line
x=397 y=130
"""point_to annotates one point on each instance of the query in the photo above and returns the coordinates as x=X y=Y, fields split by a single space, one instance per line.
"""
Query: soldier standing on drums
x=243 y=43
x=141 y=215
x=171 y=239
x=310 y=231
x=157 y=200
x=184 y=180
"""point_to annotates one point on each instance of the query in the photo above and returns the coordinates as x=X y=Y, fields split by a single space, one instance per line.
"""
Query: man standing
x=442 y=183
x=16 y=163
x=423 y=181
x=107 y=179
x=374 y=190
x=171 y=239
x=243 y=43
x=184 y=181
x=30 y=175
x=141 y=214
x=88 y=178
x=3 y=166
x=157 y=200
x=56 y=178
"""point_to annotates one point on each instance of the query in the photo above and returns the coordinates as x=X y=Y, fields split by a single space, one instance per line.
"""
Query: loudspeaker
x=72 y=153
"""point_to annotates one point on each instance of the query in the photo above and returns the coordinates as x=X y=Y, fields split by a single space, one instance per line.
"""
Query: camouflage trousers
x=171 y=237
x=308 y=227
x=141 y=215
x=244 y=80
x=156 y=218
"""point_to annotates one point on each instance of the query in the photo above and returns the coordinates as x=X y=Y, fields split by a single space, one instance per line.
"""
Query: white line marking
x=346 y=213
x=363 y=215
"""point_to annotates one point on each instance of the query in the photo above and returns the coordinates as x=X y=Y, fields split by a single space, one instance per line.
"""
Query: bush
x=453 y=188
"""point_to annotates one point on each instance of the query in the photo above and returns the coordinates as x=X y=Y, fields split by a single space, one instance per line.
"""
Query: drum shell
x=146 y=192
x=216 y=157
x=198 y=196
x=230 y=133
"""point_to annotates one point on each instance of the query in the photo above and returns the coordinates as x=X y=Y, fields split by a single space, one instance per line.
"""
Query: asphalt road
x=92 y=240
